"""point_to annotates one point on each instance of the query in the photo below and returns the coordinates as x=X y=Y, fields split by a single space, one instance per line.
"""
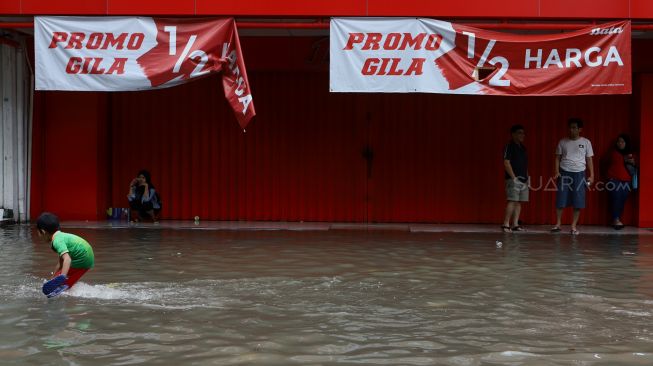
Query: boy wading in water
x=75 y=255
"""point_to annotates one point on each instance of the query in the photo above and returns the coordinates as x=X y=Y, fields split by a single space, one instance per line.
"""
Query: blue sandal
x=55 y=285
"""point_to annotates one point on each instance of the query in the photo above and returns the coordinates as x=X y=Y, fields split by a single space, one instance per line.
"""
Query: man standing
x=573 y=157
x=515 y=163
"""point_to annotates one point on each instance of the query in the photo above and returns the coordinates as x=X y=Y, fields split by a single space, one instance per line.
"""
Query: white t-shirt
x=573 y=154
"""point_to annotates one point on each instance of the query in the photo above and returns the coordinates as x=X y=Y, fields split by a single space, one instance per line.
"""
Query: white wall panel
x=15 y=120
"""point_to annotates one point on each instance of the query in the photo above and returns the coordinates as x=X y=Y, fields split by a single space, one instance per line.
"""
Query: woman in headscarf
x=620 y=174
x=143 y=199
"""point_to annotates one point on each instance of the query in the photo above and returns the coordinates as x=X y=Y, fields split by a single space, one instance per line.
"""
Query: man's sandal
x=506 y=229
x=555 y=229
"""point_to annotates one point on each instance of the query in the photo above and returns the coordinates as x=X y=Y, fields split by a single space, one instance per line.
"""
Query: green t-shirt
x=78 y=249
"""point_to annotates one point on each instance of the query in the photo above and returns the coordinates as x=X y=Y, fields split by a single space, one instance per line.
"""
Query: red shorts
x=74 y=274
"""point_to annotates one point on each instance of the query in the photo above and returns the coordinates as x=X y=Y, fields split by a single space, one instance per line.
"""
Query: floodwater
x=202 y=297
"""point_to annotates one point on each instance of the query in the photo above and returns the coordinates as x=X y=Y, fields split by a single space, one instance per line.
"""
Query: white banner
x=69 y=57
x=407 y=55
x=352 y=71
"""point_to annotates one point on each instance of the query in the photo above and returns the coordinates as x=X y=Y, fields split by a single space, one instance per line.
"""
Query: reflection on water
x=334 y=297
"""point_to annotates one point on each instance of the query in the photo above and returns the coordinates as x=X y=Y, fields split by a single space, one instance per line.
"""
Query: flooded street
x=207 y=297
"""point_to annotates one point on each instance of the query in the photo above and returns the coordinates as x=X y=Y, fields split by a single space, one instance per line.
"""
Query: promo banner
x=138 y=53
x=406 y=55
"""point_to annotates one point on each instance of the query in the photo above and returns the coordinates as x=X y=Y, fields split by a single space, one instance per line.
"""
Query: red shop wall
x=439 y=157
x=436 y=158
x=299 y=159
x=69 y=155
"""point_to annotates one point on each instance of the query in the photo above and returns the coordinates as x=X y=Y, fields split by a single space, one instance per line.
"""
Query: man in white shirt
x=573 y=158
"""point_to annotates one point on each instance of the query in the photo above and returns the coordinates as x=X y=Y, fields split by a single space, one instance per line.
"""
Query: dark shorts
x=571 y=190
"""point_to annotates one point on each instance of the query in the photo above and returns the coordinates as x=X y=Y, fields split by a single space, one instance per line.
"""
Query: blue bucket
x=116 y=213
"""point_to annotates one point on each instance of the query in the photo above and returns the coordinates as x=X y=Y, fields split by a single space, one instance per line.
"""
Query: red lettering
x=391 y=66
x=354 y=38
x=75 y=40
x=415 y=66
x=414 y=43
x=92 y=65
x=135 y=41
x=94 y=41
x=58 y=37
x=392 y=41
x=394 y=70
x=96 y=66
x=372 y=41
x=433 y=43
x=111 y=40
x=118 y=66
x=383 y=67
x=73 y=65
x=85 y=68
x=369 y=67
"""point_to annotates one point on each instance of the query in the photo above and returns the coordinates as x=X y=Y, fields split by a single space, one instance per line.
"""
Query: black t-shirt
x=516 y=153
